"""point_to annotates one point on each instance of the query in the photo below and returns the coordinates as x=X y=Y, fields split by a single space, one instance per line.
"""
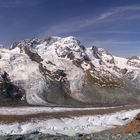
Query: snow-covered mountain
x=61 y=71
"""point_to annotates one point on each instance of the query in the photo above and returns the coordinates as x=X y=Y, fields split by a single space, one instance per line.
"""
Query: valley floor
x=68 y=121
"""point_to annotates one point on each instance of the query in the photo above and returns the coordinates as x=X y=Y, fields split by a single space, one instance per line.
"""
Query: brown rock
x=133 y=126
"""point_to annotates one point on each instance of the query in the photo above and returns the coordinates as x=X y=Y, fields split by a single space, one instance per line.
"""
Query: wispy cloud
x=113 y=11
x=76 y=25
x=125 y=8
x=115 y=42
x=122 y=48
x=116 y=32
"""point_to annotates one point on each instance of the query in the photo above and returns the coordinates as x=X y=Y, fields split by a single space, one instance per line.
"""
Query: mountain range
x=61 y=71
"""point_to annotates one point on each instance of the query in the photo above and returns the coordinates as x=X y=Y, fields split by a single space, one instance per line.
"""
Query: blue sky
x=110 y=24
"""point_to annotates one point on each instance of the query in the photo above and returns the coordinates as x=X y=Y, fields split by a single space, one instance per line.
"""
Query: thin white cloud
x=111 y=43
x=126 y=8
x=76 y=25
x=120 y=47
x=117 y=32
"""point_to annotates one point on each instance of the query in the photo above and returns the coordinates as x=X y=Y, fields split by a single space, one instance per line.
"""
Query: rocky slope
x=61 y=71
x=133 y=126
x=41 y=136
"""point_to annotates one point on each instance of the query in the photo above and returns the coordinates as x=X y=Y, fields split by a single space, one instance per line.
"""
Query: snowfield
x=68 y=126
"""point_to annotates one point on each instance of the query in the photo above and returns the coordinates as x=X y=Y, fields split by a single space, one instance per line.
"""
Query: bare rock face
x=10 y=93
x=133 y=126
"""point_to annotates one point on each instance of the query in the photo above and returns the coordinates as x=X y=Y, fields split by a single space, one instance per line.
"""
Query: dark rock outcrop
x=10 y=93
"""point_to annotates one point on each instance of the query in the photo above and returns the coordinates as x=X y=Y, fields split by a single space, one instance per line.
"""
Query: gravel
x=40 y=136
